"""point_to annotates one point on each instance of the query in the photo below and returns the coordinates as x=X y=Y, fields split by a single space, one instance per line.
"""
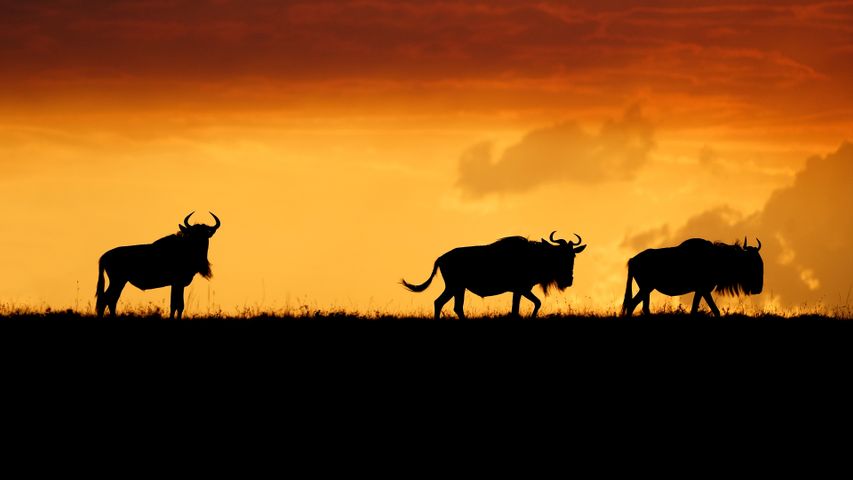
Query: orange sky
x=347 y=144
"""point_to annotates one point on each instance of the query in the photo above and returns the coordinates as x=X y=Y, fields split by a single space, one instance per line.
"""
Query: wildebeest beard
x=559 y=284
x=553 y=262
x=204 y=269
x=734 y=273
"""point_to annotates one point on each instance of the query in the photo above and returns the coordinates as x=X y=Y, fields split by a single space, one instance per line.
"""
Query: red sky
x=272 y=52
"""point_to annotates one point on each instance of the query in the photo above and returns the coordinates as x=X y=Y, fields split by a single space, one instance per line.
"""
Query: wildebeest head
x=753 y=269
x=562 y=259
x=195 y=240
x=199 y=230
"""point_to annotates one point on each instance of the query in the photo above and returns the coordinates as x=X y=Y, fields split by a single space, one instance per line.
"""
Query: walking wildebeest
x=512 y=264
x=171 y=261
x=696 y=265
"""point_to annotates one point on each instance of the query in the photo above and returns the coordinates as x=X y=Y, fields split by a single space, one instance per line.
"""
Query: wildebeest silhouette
x=170 y=261
x=697 y=265
x=512 y=264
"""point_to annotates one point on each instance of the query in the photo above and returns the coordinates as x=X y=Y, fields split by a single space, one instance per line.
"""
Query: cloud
x=647 y=239
x=721 y=223
x=561 y=153
x=806 y=232
x=709 y=158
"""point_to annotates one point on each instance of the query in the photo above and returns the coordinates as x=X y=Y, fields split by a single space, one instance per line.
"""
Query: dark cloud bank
x=806 y=231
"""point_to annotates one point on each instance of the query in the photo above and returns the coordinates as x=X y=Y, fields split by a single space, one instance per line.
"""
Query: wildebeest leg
x=697 y=297
x=112 y=294
x=641 y=295
x=101 y=304
x=459 y=304
x=536 y=303
x=442 y=299
x=177 y=301
x=516 y=301
x=633 y=305
x=647 y=299
x=630 y=305
x=710 y=302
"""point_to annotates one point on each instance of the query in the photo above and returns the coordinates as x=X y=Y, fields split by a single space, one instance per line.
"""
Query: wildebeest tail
x=423 y=286
x=99 y=292
x=628 y=293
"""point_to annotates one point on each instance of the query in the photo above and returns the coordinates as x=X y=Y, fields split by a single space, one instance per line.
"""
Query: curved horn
x=218 y=222
x=558 y=241
x=579 y=241
x=187 y=220
x=759 y=244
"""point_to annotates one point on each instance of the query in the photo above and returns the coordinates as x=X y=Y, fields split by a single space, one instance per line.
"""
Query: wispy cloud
x=560 y=153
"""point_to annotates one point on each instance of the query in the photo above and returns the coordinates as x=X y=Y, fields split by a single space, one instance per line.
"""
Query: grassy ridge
x=71 y=316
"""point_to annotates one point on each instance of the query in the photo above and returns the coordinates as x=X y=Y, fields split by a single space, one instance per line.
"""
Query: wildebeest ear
x=183 y=228
x=580 y=249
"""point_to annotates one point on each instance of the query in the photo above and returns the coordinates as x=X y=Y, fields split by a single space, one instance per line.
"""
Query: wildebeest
x=697 y=265
x=170 y=261
x=512 y=264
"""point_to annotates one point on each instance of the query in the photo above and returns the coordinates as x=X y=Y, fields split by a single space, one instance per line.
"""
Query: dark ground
x=551 y=329
x=557 y=352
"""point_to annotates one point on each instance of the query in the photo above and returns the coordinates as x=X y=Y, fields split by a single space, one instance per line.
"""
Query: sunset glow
x=347 y=144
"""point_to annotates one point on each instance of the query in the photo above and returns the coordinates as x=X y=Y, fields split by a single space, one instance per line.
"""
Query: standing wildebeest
x=512 y=264
x=698 y=266
x=171 y=261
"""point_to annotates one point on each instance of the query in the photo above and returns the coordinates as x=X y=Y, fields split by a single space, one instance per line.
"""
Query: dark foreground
x=547 y=328
x=561 y=348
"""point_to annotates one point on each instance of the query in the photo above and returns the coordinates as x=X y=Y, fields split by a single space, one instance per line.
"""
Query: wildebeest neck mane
x=178 y=242
x=514 y=240
x=732 y=278
x=542 y=254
